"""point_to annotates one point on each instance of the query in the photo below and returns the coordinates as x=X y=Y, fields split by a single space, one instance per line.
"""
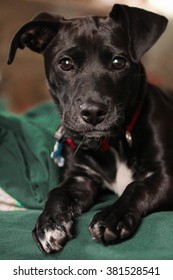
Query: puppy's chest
x=123 y=176
x=110 y=168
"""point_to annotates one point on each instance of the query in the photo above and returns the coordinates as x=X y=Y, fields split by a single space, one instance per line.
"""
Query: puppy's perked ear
x=143 y=28
x=36 y=34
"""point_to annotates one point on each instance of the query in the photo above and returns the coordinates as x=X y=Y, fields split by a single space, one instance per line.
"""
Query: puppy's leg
x=54 y=226
x=120 y=220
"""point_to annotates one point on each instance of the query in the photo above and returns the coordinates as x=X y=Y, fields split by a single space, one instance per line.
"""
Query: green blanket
x=27 y=174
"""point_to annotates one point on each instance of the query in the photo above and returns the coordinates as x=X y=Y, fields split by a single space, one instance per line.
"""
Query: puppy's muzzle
x=93 y=112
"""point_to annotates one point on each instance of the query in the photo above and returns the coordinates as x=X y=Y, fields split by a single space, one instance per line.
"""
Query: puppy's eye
x=119 y=63
x=66 y=64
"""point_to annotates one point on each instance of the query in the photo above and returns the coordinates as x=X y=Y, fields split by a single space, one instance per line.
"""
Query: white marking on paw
x=95 y=229
x=51 y=241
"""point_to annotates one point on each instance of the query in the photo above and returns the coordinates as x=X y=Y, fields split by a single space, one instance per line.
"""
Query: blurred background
x=23 y=84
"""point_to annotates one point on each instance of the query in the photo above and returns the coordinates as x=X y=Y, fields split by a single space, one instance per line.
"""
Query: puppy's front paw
x=110 y=226
x=51 y=233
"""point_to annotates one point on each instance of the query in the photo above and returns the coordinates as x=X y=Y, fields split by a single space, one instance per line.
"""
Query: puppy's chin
x=89 y=140
x=92 y=140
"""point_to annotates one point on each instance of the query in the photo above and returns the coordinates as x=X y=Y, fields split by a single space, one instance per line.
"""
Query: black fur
x=96 y=79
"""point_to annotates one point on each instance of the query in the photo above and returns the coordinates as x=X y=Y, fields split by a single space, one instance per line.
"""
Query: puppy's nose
x=93 y=112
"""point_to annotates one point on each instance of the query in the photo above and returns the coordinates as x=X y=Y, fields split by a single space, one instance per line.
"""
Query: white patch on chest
x=124 y=177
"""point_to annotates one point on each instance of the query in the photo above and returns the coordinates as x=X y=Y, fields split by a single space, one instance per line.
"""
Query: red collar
x=104 y=144
x=134 y=120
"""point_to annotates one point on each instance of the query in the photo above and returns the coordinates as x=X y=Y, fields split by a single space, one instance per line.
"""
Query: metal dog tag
x=129 y=138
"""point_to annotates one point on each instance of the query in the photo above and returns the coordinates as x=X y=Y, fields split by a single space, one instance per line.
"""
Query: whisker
x=78 y=147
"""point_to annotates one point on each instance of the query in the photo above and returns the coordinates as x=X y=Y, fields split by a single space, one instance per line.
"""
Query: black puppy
x=116 y=128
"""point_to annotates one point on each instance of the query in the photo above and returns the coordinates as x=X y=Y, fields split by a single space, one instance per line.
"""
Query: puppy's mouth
x=91 y=134
x=88 y=139
x=95 y=134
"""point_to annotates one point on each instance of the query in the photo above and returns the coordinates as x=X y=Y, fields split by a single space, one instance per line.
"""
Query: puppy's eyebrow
x=74 y=52
x=59 y=49
x=71 y=50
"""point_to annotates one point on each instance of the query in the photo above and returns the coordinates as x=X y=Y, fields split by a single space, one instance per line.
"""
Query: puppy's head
x=92 y=64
